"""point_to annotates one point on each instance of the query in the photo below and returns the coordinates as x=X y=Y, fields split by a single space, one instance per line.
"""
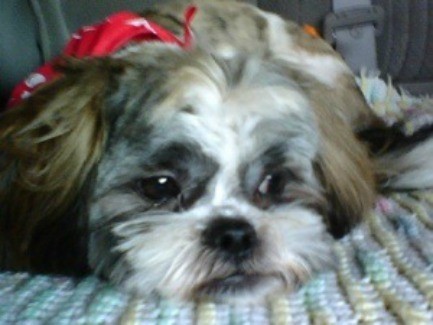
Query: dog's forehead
x=228 y=114
x=242 y=109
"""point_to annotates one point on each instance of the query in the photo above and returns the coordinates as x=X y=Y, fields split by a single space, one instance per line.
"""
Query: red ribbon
x=103 y=39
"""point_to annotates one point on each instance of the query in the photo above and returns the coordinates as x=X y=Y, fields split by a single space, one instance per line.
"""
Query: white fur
x=171 y=261
x=410 y=169
x=325 y=68
x=230 y=126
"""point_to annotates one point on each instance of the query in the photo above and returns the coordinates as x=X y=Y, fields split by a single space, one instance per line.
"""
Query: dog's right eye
x=159 y=188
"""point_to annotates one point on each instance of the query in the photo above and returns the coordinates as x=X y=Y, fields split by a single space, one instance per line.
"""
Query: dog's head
x=176 y=172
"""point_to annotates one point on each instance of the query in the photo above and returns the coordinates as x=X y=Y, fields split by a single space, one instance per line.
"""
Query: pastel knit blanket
x=384 y=275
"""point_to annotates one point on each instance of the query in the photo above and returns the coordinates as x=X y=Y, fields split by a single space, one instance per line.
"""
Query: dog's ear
x=347 y=176
x=343 y=163
x=49 y=146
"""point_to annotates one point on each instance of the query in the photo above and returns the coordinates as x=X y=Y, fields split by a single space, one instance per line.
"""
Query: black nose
x=234 y=237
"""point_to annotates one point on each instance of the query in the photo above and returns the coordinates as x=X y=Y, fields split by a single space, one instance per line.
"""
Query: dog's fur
x=258 y=122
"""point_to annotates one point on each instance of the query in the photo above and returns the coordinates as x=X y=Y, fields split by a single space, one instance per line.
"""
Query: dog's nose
x=234 y=237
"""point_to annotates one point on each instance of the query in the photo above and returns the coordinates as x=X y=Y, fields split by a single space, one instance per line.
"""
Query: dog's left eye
x=272 y=184
x=159 y=188
x=271 y=188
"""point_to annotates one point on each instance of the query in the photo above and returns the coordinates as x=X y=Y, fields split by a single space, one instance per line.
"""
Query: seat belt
x=352 y=27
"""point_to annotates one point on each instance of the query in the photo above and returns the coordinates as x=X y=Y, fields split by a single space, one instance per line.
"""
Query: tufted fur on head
x=218 y=171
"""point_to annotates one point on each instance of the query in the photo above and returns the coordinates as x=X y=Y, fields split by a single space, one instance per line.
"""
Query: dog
x=225 y=170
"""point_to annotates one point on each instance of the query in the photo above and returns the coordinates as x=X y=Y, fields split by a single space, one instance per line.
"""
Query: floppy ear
x=347 y=176
x=346 y=173
x=343 y=164
x=49 y=146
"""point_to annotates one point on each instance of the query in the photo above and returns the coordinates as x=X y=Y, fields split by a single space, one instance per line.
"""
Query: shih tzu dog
x=223 y=170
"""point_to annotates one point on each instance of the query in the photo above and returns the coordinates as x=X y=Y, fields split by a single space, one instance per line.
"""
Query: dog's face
x=210 y=188
x=176 y=172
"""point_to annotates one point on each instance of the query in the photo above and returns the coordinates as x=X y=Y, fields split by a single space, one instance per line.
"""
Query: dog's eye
x=271 y=189
x=272 y=185
x=159 y=188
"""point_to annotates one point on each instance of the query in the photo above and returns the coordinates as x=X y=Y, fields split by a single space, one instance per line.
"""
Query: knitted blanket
x=384 y=275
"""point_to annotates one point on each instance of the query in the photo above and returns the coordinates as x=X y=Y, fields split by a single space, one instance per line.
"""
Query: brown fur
x=347 y=173
x=52 y=141
x=345 y=164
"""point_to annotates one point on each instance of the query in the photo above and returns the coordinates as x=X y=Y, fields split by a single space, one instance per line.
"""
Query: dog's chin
x=240 y=286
